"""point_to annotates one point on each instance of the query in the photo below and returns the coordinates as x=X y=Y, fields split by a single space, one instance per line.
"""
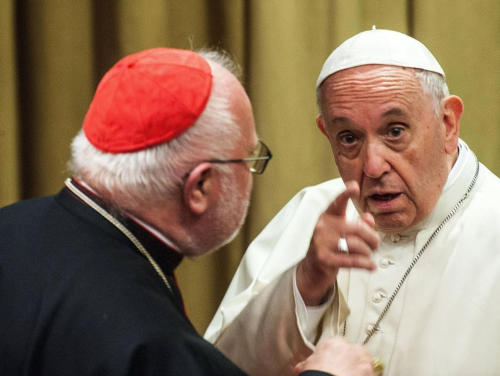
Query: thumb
x=339 y=205
x=368 y=219
x=299 y=367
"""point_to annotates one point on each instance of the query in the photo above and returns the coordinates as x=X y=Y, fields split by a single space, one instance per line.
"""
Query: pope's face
x=385 y=135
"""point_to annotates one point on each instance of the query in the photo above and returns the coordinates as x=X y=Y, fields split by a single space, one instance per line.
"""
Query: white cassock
x=445 y=320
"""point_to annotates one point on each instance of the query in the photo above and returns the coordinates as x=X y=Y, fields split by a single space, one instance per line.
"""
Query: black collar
x=167 y=258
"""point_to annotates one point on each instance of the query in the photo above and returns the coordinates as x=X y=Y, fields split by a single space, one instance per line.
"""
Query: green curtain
x=55 y=51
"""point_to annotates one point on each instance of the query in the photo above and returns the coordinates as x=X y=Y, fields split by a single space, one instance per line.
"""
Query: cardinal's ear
x=198 y=187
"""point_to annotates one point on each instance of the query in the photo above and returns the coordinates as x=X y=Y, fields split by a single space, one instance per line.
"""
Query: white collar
x=463 y=153
x=154 y=232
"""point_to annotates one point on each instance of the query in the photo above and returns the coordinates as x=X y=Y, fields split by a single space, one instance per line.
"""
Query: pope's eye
x=396 y=131
x=347 y=138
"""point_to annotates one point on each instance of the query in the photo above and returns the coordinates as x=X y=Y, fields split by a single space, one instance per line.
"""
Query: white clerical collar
x=463 y=154
x=139 y=222
x=154 y=232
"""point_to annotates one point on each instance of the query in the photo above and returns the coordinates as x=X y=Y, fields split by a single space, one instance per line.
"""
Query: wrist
x=314 y=288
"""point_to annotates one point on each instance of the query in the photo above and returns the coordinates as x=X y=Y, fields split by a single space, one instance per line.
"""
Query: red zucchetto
x=148 y=98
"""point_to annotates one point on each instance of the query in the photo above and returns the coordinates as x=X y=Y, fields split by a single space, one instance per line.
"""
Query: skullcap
x=148 y=98
x=384 y=47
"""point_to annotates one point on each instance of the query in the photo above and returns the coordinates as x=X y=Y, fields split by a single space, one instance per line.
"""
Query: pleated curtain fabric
x=55 y=51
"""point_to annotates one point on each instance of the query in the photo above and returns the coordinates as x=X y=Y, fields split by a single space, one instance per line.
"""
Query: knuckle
x=322 y=258
x=355 y=244
x=367 y=370
x=359 y=349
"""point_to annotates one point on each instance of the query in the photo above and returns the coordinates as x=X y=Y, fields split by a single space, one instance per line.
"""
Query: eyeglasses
x=257 y=162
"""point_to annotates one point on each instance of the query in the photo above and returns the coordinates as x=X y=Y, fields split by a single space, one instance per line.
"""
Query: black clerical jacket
x=77 y=298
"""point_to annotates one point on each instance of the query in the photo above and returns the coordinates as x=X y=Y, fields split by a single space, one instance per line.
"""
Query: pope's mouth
x=385 y=197
x=384 y=203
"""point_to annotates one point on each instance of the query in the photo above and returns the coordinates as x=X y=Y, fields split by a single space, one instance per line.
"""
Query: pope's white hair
x=155 y=174
x=432 y=83
x=435 y=85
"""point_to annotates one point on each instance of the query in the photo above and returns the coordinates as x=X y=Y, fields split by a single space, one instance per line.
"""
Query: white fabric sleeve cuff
x=308 y=317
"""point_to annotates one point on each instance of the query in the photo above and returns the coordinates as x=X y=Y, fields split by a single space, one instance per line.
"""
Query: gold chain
x=120 y=227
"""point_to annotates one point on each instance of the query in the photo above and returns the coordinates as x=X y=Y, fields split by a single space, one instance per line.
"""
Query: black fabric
x=77 y=298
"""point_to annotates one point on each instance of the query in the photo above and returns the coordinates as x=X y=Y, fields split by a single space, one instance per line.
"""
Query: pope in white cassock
x=401 y=254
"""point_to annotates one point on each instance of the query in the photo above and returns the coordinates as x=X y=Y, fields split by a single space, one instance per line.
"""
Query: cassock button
x=378 y=296
x=386 y=262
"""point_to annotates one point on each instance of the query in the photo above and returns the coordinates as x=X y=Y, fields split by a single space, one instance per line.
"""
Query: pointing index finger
x=339 y=205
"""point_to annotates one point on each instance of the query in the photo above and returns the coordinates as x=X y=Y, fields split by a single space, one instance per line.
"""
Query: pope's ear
x=321 y=124
x=452 y=108
x=197 y=188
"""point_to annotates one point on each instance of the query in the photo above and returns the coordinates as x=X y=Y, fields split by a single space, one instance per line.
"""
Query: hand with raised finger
x=336 y=243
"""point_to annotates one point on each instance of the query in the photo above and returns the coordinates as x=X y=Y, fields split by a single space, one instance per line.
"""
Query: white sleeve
x=280 y=246
x=309 y=317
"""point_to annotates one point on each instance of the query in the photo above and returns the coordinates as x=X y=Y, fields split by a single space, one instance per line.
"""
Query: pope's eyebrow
x=394 y=111
x=340 y=119
x=391 y=112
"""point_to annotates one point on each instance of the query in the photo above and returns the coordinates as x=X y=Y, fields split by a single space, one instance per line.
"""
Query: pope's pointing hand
x=317 y=272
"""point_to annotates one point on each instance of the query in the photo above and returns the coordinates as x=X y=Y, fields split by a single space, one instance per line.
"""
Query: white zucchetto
x=384 y=47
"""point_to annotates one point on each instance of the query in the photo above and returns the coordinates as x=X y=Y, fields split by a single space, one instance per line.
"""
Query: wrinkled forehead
x=371 y=78
x=373 y=86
